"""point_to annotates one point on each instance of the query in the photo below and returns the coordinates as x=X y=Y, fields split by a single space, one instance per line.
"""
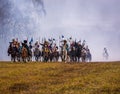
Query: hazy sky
x=96 y=21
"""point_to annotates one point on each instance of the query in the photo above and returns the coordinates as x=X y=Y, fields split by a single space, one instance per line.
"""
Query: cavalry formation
x=48 y=51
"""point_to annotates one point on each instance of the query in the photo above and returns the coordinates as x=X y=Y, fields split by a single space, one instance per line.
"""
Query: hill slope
x=59 y=78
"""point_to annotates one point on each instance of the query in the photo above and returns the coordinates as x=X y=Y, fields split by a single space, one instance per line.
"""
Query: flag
x=31 y=40
x=62 y=36
x=49 y=40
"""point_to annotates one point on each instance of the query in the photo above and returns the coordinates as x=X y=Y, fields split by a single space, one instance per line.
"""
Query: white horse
x=105 y=54
x=83 y=55
x=88 y=56
x=64 y=53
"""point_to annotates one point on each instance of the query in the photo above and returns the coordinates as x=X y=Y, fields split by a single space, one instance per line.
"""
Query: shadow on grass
x=18 y=87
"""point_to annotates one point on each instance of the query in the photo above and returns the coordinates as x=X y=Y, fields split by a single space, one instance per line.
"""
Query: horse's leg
x=51 y=57
x=23 y=58
x=82 y=58
x=44 y=58
x=11 y=58
x=28 y=58
x=14 y=59
x=57 y=57
x=85 y=58
x=66 y=57
x=78 y=59
x=18 y=57
x=71 y=58
x=47 y=58
x=37 y=58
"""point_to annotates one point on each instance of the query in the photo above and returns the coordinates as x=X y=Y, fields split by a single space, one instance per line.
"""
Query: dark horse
x=78 y=52
x=37 y=54
x=12 y=50
x=75 y=52
x=54 y=56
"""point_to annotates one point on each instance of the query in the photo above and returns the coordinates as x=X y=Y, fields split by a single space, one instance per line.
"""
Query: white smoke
x=19 y=19
x=96 y=21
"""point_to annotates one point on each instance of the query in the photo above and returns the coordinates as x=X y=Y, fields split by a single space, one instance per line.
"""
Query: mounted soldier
x=55 y=53
x=12 y=50
x=64 y=51
x=37 y=53
x=88 y=55
x=105 y=54
x=46 y=51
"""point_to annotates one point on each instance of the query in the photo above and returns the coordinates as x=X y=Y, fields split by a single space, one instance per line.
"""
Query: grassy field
x=59 y=78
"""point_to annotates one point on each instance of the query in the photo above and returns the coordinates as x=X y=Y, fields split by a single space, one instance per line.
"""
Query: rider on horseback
x=26 y=46
x=65 y=51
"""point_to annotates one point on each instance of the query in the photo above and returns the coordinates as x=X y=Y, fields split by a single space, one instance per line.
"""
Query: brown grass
x=60 y=78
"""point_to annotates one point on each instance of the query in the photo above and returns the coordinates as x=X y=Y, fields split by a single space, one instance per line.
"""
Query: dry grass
x=59 y=78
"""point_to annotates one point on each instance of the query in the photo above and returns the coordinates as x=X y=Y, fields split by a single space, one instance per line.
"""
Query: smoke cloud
x=19 y=19
x=96 y=21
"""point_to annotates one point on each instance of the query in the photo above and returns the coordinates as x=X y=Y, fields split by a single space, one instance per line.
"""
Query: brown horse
x=46 y=53
x=24 y=54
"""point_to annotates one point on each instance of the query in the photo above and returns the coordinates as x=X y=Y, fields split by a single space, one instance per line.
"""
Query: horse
x=54 y=56
x=105 y=54
x=29 y=58
x=83 y=55
x=64 y=53
x=12 y=51
x=18 y=54
x=37 y=54
x=24 y=54
x=46 y=54
x=75 y=52
x=78 y=52
x=88 y=56
x=72 y=54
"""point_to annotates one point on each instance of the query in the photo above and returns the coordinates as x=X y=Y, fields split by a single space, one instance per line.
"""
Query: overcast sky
x=96 y=21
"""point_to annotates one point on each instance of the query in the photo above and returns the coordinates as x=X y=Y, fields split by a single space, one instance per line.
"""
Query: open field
x=59 y=78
